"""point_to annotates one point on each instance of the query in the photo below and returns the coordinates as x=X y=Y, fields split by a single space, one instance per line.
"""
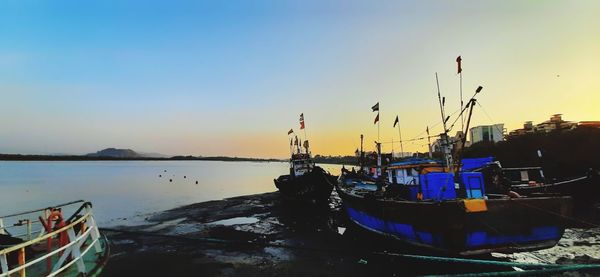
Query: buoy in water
x=159 y=175
x=165 y=170
x=170 y=180
x=183 y=176
x=196 y=182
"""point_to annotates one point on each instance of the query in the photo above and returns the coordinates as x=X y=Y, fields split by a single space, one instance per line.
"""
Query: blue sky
x=231 y=77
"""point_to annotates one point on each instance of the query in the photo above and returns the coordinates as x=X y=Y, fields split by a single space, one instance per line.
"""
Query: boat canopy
x=474 y=163
x=414 y=162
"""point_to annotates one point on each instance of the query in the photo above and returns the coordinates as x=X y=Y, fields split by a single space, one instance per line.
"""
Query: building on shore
x=487 y=133
x=555 y=123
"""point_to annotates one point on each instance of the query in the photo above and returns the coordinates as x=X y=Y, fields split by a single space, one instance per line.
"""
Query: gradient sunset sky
x=231 y=77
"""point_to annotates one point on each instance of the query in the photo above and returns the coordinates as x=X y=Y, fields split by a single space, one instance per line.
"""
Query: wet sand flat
x=261 y=235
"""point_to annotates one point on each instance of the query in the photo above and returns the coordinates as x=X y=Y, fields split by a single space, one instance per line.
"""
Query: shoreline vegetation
x=566 y=153
x=20 y=157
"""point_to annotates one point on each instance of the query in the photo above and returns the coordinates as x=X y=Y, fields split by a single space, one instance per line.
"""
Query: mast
x=429 y=143
x=471 y=102
x=362 y=154
x=444 y=136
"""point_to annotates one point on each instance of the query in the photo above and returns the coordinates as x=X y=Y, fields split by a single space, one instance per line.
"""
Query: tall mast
x=444 y=137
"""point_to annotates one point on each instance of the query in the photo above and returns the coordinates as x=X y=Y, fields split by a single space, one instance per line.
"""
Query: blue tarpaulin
x=474 y=163
x=438 y=186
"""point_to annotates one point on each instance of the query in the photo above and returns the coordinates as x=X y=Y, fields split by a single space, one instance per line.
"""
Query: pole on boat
x=444 y=137
x=400 y=136
x=471 y=102
x=429 y=143
x=362 y=154
x=462 y=119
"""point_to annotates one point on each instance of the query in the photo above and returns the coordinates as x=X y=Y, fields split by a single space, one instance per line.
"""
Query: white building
x=492 y=133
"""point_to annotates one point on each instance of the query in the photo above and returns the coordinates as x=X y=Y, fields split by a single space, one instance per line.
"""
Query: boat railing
x=77 y=232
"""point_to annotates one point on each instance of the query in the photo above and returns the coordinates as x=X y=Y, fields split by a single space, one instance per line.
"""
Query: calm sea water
x=125 y=189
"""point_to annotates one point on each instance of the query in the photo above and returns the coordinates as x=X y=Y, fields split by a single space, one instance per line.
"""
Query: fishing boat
x=44 y=242
x=429 y=204
x=529 y=181
x=306 y=181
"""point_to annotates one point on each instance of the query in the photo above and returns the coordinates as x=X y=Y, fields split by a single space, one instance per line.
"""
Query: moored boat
x=428 y=213
x=434 y=205
x=531 y=181
x=306 y=182
x=44 y=242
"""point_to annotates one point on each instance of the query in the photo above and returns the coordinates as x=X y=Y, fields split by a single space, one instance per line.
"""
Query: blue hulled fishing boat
x=429 y=204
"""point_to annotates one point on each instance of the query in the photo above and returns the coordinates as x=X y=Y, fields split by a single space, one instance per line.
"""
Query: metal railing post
x=95 y=232
x=2 y=230
x=76 y=251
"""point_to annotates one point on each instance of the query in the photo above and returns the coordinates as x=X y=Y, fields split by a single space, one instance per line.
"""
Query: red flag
x=458 y=60
x=290 y=131
x=302 y=121
x=376 y=119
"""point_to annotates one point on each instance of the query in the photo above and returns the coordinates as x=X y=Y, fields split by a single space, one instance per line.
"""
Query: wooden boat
x=425 y=210
x=45 y=243
x=306 y=181
x=431 y=205
x=530 y=181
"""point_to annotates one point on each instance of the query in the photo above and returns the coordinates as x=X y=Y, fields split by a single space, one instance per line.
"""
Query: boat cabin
x=301 y=164
x=425 y=179
x=407 y=172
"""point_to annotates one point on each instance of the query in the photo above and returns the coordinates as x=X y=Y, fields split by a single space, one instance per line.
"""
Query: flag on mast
x=376 y=107
x=458 y=60
x=290 y=131
x=376 y=119
x=396 y=121
x=302 y=121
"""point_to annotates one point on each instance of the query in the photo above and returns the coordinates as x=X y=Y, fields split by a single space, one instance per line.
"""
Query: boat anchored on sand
x=306 y=182
x=43 y=242
x=431 y=205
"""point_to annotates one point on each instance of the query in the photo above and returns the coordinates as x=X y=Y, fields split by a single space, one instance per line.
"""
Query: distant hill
x=115 y=153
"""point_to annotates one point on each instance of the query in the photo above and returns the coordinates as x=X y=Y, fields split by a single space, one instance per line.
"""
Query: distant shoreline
x=20 y=157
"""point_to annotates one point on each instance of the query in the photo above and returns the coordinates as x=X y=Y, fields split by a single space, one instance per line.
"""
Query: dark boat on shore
x=436 y=206
x=306 y=181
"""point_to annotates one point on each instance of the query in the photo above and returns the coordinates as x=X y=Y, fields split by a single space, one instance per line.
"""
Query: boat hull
x=315 y=186
x=507 y=225
x=584 y=190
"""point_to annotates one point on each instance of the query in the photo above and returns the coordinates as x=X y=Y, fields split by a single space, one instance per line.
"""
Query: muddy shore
x=261 y=235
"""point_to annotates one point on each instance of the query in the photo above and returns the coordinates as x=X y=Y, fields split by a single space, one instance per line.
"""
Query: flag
x=290 y=131
x=376 y=107
x=458 y=60
x=302 y=121
x=427 y=130
x=396 y=122
x=376 y=119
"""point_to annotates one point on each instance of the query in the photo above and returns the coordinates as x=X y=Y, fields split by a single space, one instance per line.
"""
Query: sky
x=232 y=77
